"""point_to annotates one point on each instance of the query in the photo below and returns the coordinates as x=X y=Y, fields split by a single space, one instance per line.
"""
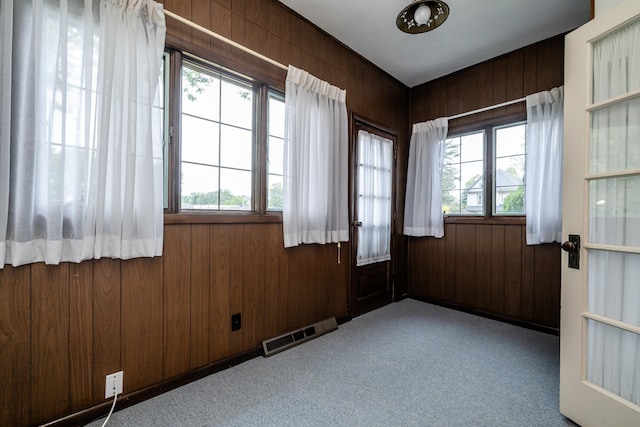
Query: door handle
x=569 y=246
x=572 y=247
x=357 y=223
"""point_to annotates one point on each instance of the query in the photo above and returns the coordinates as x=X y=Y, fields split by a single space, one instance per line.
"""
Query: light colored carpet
x=406 y=364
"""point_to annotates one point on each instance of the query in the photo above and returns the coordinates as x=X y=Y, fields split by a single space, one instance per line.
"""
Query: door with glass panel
x=600 y=317
x=372 y=219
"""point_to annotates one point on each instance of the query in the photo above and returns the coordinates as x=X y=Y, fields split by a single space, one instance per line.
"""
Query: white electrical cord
x=115 y=397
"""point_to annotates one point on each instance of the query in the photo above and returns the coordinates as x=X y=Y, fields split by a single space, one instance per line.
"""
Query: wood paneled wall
x=488 y=268
x=64 y=328
x=485 y=265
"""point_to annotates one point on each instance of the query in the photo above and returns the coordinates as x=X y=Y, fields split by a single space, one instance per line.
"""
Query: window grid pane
x=217 y=144
x=275 y=152
x=508 y=171
x=462 y=175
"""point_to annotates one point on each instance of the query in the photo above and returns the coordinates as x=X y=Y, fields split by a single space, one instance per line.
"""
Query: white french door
x=600 y=315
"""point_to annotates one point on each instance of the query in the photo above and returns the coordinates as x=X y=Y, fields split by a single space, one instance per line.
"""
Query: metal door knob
x=569 y=246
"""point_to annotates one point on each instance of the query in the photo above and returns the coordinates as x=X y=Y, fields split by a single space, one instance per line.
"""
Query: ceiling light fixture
x=422 y=16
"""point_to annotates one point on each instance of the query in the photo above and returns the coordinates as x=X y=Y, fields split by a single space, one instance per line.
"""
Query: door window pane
x=614 y=211
x=612 y=360
x=615 y=64
x=615 y=136
x=374 y=181
x=614 y=290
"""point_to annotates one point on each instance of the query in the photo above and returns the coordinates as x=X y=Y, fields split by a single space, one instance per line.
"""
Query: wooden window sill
x=494 y=220
x=222 y=218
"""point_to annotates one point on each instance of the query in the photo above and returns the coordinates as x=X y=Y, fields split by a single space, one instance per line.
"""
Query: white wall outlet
x=111 y=388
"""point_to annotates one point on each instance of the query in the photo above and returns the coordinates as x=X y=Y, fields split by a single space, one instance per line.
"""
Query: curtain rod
x=491 y=107
x=223 y=39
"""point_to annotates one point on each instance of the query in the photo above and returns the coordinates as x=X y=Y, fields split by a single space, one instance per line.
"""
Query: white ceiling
x=475 y=31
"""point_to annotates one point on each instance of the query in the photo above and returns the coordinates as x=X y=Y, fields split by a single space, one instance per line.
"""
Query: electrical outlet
x=111 y=389
x=236 y=322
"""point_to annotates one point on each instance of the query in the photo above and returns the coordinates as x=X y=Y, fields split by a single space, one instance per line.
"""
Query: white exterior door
x=600 y=314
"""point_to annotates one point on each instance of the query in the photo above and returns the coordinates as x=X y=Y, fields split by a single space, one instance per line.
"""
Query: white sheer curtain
x=315 y=161
x=375 y=161
x=81 y=148
x=614 y=215
x=543 y=176
x=423 y=202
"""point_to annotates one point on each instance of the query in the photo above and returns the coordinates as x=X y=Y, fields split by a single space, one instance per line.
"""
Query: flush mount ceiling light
x=422 y=16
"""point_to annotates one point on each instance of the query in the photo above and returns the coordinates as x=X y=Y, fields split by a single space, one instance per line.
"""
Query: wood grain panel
x=275 y=282
x=253 y=308
x=236 y=285
x=546 y=310
x=513 y=78
x=295 y=276
x=530 y=81
x=549 y=65
x=256 y=37
x=278 y=20
x=465 y=265
x=483 y=267
x=499 y=265
x=255 y=11
x=81 y=334
x=338 y=293
x=324 y=284
x=219 y=310
x=499 y=68
x=436 y=262
x=200 y=298
x=177 y=300
x=107 y=293
x=142 y=313
x=512 y=283
x=417 y=283
x=49 y=341
x=227 y=288
x=315 y=259
x=450 y=267
x=175 y=28
x=527 y=277
x=15 y=345
x=486 y=86
x=221 y=24
x=201 y=11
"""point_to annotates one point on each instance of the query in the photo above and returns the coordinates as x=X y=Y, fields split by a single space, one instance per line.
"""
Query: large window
x=228 y=156
x=483 y=172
